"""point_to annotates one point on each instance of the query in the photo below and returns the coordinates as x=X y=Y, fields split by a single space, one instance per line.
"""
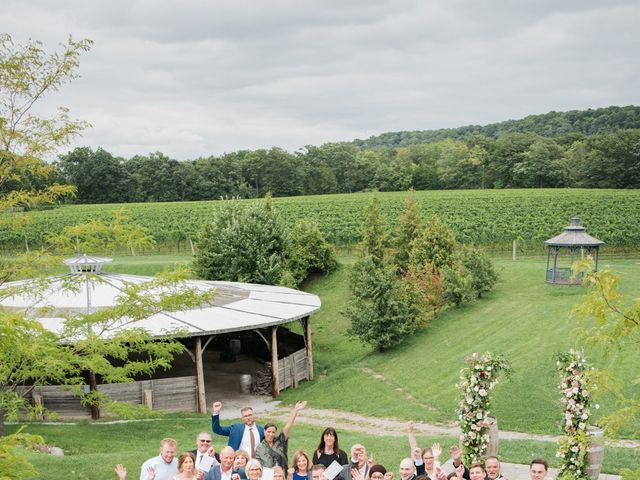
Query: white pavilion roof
x=235 y=307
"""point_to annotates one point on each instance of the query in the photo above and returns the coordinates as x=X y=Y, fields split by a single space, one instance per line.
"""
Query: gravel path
x=390 y=427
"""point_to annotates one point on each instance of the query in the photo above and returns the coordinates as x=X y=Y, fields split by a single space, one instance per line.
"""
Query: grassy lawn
x=524 y=319
x=92 y=450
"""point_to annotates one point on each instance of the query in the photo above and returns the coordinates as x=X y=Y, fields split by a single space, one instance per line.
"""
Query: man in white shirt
x=242 y=436
x=164 y=466
x=204 y=446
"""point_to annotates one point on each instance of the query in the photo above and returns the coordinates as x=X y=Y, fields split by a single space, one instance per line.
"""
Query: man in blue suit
x=242 y=436
x=224 y=470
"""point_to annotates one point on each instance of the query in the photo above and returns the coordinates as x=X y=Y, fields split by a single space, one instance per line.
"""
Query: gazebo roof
x=574 y=235
x=235 y=307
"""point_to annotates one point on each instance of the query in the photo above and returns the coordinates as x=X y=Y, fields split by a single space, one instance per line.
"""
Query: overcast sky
x=200 y=78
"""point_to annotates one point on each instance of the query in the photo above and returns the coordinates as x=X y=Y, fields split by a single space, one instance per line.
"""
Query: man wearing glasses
x=204 y=447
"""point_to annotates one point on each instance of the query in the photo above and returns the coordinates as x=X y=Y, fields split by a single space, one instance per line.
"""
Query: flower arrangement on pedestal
x=577 y=385
x=476 y=382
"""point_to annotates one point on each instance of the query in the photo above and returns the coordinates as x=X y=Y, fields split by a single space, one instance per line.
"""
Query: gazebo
x=567 y=247
x=236 y=307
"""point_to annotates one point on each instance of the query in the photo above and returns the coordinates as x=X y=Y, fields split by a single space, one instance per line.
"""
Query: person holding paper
x=359 y=464
x=272 y=450
x=246 y=436
x=328 y=451
x=204 y=446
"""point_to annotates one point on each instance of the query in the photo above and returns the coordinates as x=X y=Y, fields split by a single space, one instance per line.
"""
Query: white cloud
x=196 y=78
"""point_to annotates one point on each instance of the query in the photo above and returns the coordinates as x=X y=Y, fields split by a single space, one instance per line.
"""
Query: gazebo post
x=274 y=361
x=306 y=322
x=202 y=400
x=555 y=263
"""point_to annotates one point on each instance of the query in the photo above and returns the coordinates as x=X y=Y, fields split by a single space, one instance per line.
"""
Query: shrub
x=243 y=244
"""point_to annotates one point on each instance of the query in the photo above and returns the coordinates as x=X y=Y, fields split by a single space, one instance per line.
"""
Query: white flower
x=482 y=392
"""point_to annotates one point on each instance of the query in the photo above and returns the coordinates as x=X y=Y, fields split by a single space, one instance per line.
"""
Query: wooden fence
x=293 y=369
x=170 y=394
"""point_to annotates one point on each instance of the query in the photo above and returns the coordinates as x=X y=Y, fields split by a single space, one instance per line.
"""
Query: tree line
x=515 y=160
x=551 y=124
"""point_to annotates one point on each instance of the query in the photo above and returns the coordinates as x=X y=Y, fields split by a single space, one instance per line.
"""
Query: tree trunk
x=2 y=432
x=93 y=386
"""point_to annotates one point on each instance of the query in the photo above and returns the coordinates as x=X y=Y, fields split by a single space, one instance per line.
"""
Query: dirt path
x=385 y=426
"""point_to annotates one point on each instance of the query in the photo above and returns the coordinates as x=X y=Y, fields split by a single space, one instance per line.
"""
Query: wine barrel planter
x=492 y=448
x=595 y=451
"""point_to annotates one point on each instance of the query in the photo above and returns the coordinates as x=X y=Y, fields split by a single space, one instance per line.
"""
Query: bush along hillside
x=250 y=243
x=400 y=284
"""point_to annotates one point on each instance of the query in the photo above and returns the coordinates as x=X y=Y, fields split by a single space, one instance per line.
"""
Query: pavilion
x=236 y=307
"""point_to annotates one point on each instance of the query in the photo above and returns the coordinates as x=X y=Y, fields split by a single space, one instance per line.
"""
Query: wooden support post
x=307 y=343
x=147 y=398
x=274 y=361
x=202 y=400
x=514 y=248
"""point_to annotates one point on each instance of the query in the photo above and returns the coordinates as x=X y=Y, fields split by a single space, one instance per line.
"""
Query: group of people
x=259 y=452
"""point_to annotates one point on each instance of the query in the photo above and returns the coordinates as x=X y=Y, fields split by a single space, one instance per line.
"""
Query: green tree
x=435 y=245
x=384 y=309
x=408 y=230
x=542 y=165
x=27 y=74
x=244 y=244
x=374 y=233
x=610 y=321
x=479 y=266
x=97 y=176
x=310 y=251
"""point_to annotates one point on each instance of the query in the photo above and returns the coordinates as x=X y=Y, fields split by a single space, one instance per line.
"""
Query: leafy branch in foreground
x=611 y=321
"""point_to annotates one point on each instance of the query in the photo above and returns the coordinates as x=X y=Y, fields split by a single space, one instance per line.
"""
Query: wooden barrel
x=492 y=448
x=245 y=383
x=595 y=451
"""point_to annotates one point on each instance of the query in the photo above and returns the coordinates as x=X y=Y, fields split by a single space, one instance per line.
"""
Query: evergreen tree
x=435 y=245
x=406 y=234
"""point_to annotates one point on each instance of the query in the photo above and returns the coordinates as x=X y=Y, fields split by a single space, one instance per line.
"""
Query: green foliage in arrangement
x=488 y=218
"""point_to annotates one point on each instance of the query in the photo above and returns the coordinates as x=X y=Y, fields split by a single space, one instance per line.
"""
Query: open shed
x=237 y=307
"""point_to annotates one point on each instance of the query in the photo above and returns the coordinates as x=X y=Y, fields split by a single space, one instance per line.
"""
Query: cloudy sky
x=204 y=77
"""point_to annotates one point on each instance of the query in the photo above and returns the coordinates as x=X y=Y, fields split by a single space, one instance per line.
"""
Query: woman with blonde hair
x=240 y=460
x=253 y=469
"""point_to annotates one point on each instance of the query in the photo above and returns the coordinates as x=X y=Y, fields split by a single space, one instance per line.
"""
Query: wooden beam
x=274 y=361
x=307 y=345
x=202 y=400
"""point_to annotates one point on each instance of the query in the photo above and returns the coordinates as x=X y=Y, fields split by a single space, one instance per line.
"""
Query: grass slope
x=524 y=319
x=93 y=449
